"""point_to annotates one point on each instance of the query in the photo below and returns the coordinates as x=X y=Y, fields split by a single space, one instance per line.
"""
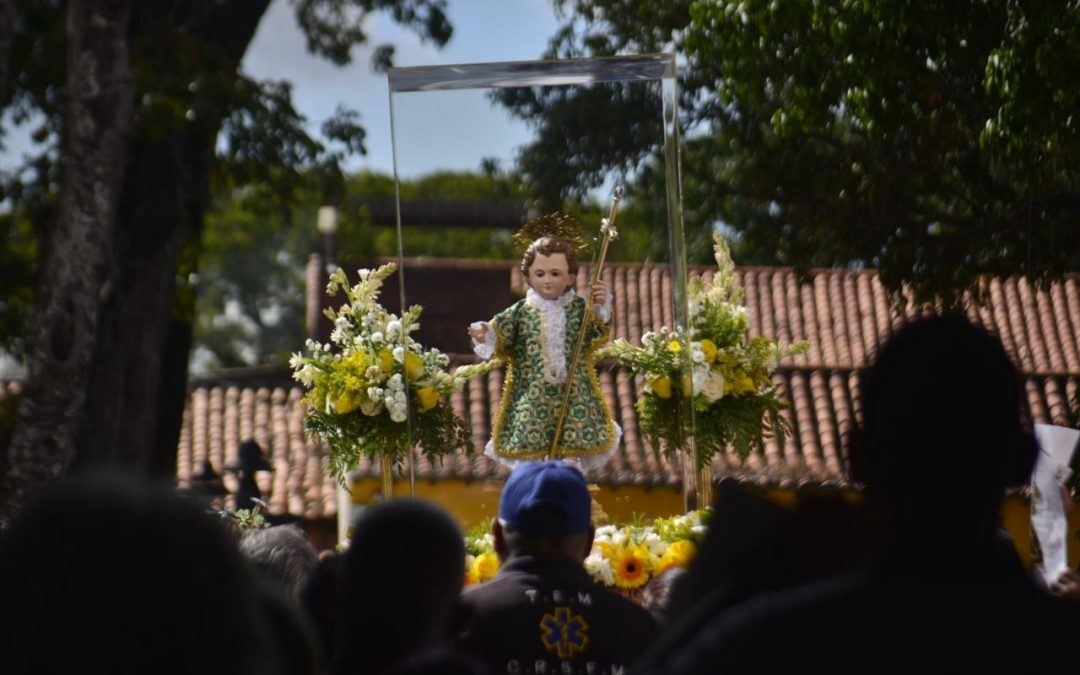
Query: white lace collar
x=544 y=305
x=552 y=332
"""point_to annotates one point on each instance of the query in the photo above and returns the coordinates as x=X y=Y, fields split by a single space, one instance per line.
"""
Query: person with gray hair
x=281 y=553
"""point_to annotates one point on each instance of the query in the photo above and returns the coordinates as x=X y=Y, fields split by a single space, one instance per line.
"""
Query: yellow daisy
x=631 y=565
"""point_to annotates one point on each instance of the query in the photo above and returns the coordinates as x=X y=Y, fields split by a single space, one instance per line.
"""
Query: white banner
x=1048 y=518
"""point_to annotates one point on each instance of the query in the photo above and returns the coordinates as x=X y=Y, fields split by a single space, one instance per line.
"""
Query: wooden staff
x=607 y=234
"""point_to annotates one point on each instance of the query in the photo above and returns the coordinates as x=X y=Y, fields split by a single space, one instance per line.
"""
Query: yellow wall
x=474 y=502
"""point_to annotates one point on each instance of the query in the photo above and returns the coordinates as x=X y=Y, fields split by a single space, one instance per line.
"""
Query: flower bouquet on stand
x=374 y=391
x=715 y=366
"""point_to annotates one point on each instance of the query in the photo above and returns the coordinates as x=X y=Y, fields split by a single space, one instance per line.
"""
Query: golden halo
x=555 y=224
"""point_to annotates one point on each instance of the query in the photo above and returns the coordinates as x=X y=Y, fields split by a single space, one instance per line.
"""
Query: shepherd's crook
x=607 y=234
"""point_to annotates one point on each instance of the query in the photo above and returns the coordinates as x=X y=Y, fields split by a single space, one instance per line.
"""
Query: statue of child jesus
x=536 y=338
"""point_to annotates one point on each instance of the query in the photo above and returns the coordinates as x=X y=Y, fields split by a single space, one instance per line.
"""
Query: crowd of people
x=109 y=575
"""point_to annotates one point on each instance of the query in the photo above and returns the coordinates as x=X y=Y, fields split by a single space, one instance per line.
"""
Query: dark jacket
x=892 y=616
x=545 y=615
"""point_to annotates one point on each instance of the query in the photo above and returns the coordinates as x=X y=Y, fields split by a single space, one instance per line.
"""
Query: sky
x=484 y=30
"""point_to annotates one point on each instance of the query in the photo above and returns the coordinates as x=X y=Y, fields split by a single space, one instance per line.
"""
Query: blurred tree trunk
x=138 y=383
x=76 y=264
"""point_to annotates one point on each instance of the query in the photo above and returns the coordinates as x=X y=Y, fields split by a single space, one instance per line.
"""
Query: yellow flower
x=471 y=575
x=345 y=404
x=708 y=347
x=740 y=384
x=661 y=386
x=486 y=565
x=631 y=565
x=674 y=347
x=679 y=554
x=353 y=365
x=428 y=397
x=414 y=367
x=386 y=360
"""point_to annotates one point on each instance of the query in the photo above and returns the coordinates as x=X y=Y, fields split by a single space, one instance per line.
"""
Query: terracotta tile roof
x=843 y=314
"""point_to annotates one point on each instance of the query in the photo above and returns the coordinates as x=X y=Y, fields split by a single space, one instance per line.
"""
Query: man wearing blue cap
x=543 y=613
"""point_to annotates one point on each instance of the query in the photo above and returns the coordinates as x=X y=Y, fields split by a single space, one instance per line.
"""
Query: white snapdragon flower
x=699 y=377
x=604 y=533
x=655 y=544
x=306 y=375
x=648 y=338
x=599 y=568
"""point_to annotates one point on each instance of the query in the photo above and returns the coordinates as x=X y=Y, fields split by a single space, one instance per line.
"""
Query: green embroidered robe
x=531 y=401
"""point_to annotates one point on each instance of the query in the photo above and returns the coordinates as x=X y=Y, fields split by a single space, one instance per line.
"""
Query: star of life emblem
x=565 y=633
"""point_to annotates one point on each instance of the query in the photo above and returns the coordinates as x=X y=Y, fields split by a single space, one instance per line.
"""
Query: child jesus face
x=549 y=275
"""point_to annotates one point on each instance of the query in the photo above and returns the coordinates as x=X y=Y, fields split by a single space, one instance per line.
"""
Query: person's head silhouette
x=398 y=585
x=941 y=434
x=120 y=576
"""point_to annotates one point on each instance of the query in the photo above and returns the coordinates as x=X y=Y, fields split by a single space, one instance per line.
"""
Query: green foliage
x=246 y=519
x=935 y=141
x=690 y=527
x=250 y=307
x=479 y=540
x=18 y=271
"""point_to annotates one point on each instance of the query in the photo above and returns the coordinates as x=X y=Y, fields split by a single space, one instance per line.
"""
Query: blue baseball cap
x=536 y=493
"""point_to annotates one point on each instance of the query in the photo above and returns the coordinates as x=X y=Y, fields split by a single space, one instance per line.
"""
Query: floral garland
x=724 y=373
x=623 y=557
x=360 y=385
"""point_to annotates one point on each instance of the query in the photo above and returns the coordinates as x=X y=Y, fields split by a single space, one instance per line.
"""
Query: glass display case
x=483 y=150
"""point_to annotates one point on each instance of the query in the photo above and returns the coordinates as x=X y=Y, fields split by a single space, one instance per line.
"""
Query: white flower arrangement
x=715 y=366
x=364 y=385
